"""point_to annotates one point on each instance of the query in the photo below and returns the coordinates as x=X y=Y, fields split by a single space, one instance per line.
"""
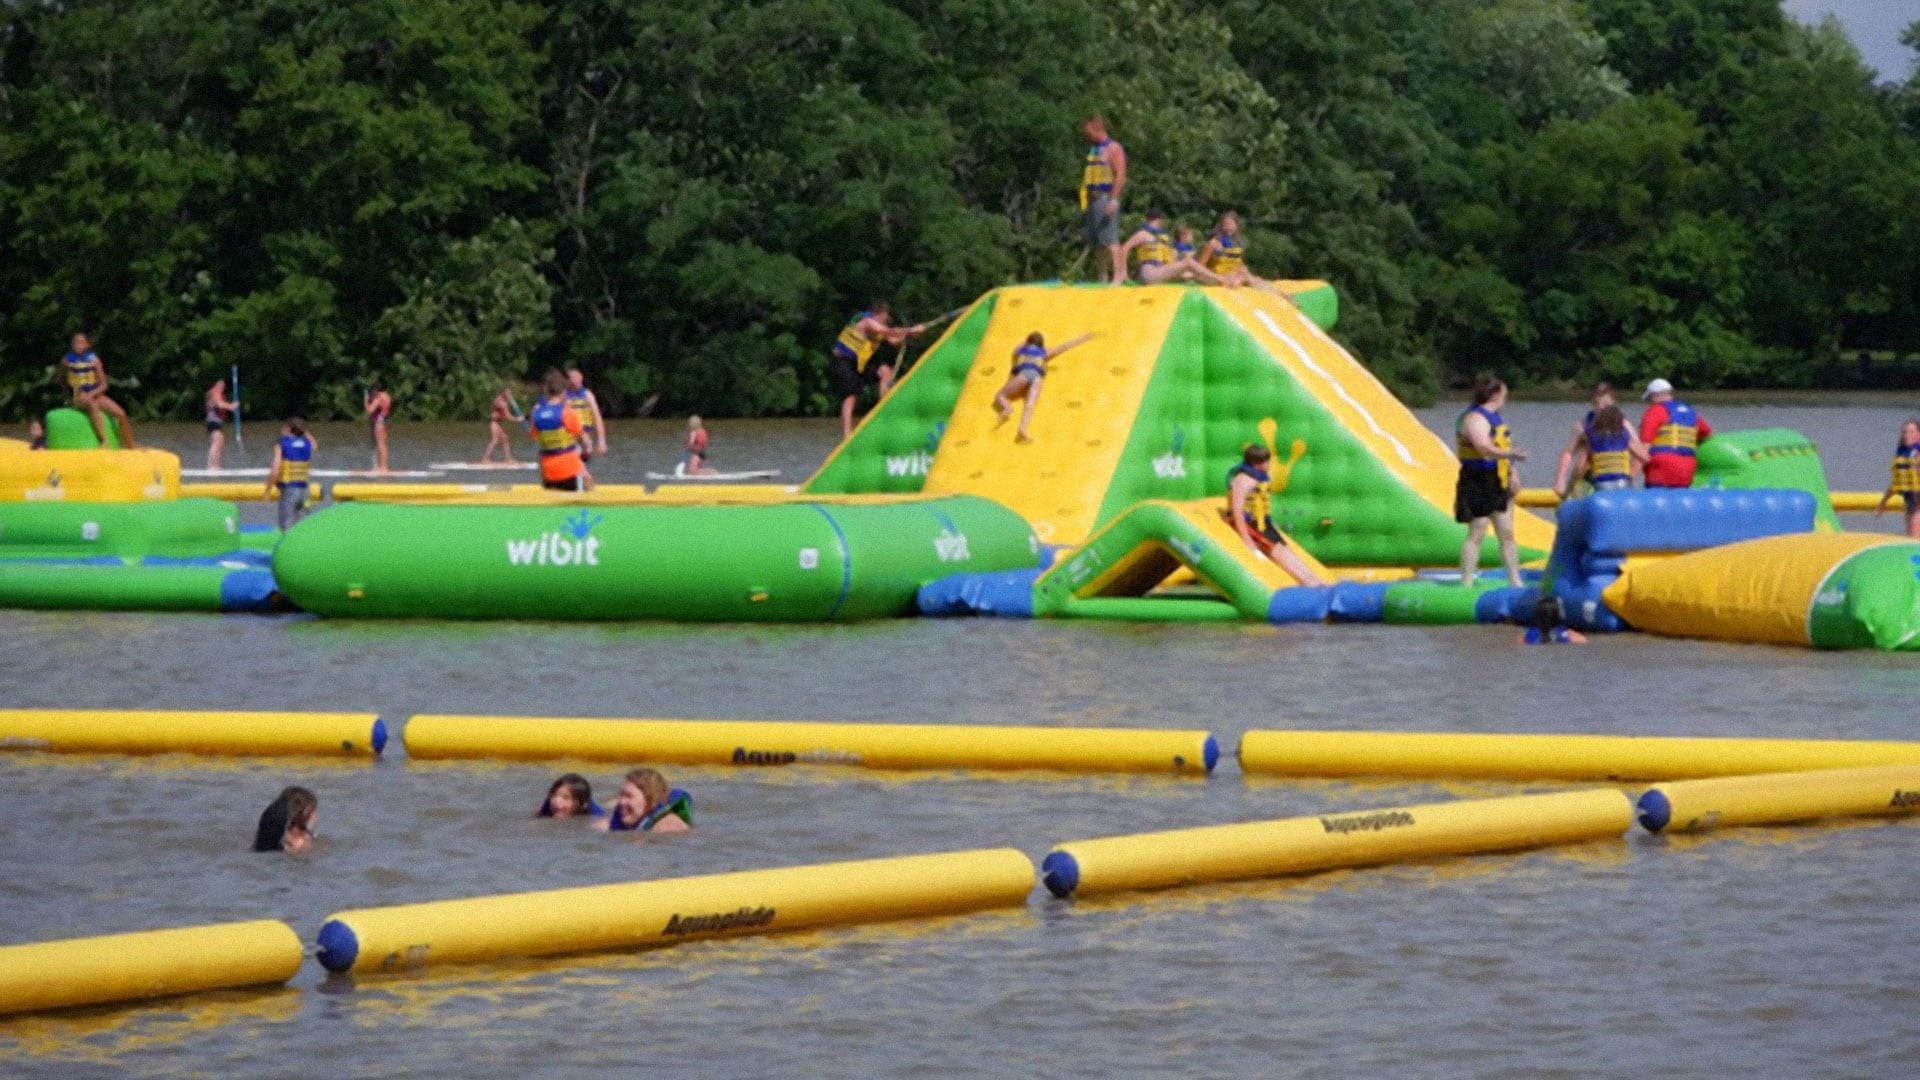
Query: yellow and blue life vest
x=1608 y=456
x=1906 y=468
x=1030 y=360
x=854 y=344
x=1470 y=455
x=296 y=460
x=1231 y=255
x=577 y=402
x=1097 y=177
x=83 y=372
x=1258 y=510
x=1182 y=249
x=1156 y=251
x=1680 y=434
x=549 y=422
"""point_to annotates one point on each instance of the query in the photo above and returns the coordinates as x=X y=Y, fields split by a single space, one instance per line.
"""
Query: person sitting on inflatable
x=1550 y=625
x=1160 y=259
x=1906 y=477
x=570 y=796
x=1250 y=510
x=647 y=804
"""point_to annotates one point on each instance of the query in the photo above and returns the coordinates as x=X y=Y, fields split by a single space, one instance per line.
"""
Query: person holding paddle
x=378 y=405
x=219 y=410
x=1029 y=370
x=504 y=409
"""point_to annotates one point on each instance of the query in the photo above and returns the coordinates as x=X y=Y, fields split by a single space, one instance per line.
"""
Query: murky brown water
x=1783 y=952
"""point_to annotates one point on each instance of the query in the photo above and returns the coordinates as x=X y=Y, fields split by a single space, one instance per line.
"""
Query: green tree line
x=687 y=197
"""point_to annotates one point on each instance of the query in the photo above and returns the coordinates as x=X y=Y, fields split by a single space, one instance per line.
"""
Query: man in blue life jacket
x=1483 y=495
x=291 y=471
x=1103 y=178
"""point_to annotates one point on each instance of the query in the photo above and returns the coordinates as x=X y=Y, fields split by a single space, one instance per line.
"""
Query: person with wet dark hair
x=287 y=822
x=1550 y=625
x=570 y=796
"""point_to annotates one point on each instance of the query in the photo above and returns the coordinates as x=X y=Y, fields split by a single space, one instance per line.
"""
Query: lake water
x=1788 y=952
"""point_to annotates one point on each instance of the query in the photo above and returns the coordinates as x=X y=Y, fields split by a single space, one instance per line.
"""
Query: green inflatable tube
x=37 y=530
x=1179 y=609
x=790 y=562
x=1869 y=601
x=54 y=587
x=1767 y=458
x=1433 y=603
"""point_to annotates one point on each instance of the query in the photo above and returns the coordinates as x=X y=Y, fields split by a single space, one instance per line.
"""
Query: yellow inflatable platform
x=87 y=475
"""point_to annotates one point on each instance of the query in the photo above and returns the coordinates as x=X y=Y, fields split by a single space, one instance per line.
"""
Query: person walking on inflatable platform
x=1672 y=430
x=557 y=428
x=853 y=352
x=1250 y=510
x=1102 y=180
x=1906 y=477
x=87 y=377
x=1029 y=370
x=1569 y=479
x=1159 y=259
x=1484 y=493
x=291 y=471
x=586 y=406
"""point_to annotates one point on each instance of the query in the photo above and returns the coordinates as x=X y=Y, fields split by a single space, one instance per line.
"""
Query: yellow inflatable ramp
x=1175 y=385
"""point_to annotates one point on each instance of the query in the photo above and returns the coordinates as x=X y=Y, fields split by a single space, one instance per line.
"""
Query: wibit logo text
x=951 y=546
x=573 y=544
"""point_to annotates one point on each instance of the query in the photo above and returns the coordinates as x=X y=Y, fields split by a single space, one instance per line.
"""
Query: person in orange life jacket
x=378 y=406
x=1569 y=479
x=585 y=405
x=1672 y=430
x=1250 y=511
x=568 y=797
x=1905 y=480
x=557 y=430
x=693 y=461
x=1550 y=625
x=647 y=804
x=292 y=470
x=1611 y=452
x=1103 y=178
x=86 y=376
x=853 y=351
x=219 y=411
x=1483 y=495
x=1029 y=370
x=1160 y=259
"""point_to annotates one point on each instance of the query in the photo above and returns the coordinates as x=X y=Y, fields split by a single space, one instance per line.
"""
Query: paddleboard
x=753 y=474
x=318 y=474
x=481 y=466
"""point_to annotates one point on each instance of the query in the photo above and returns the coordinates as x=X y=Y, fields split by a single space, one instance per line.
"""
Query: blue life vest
x=296 y=461
x=549 y=421
x=577 y=401
x=1502 y=439
x=1609 y=456
x=83 y=372
x=1031 y=360
x=1681 y=433
x=1906 y=468
x=1259 y=507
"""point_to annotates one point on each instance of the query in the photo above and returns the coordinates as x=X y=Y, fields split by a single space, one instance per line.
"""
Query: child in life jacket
x=647 y=804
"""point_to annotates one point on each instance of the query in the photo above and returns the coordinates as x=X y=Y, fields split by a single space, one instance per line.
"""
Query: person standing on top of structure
x=1484 y=493
x=1102 y=181
x=853 y=352
x=1672 y=431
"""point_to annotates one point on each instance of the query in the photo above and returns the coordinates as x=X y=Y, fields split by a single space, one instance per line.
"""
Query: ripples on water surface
x=1781 y=952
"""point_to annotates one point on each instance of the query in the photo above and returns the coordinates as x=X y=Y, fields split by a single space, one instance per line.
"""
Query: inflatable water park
x=1114 y=510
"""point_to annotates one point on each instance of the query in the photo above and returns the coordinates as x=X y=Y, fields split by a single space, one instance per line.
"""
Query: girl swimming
x=570 y=796
x=647 y=804
x=287 y=822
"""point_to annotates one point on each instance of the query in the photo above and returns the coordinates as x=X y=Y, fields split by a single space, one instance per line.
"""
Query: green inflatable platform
x=790 y=562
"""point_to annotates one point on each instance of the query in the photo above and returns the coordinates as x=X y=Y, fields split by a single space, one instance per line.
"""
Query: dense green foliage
x=686 y=198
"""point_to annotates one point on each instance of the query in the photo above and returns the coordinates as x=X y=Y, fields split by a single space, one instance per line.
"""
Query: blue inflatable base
x=1004 y=593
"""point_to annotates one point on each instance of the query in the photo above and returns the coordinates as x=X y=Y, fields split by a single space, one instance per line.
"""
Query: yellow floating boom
x=1620 y=758
x=137 y=731
x=599 y=918
x=149 y=964
x=1260 y=849
x=750 y=742
x=1777 y=798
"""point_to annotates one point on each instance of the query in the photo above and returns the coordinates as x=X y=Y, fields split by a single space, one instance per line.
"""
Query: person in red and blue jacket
x=1672 y=431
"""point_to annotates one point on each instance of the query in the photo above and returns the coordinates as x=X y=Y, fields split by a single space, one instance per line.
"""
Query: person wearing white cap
x=1672 y=431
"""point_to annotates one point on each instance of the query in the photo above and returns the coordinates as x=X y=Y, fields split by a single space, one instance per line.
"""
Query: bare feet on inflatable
x=1023 y=437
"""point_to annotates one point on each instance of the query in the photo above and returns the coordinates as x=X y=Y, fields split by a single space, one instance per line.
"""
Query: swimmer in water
x=287 y=822
x=1550 y=625
x=647 y=804
x=1029 y=371
x=570 y=796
